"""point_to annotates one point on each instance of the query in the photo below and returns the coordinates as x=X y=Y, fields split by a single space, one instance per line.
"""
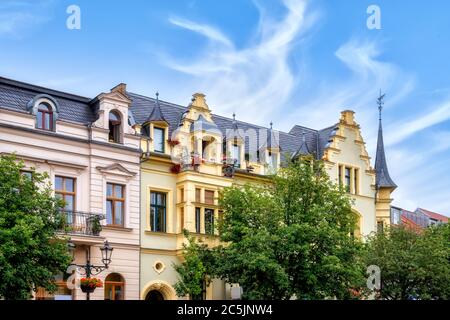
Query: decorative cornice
x=114 y=167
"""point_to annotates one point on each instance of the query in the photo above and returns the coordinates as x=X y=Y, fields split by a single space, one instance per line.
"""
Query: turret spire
x=383 y=180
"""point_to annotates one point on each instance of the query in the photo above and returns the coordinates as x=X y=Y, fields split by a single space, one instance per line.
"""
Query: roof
x=434 y=215
x=156 y=114
x=410 y=223
x=14 y=95
x=383 y=179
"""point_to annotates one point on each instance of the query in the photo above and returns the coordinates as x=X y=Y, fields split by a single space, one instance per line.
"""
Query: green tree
x=414 y=265
x=193 y=272
x=31 y=253
x=291 y=237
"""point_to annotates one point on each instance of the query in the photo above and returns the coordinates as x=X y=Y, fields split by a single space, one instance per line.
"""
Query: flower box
x=88 y=285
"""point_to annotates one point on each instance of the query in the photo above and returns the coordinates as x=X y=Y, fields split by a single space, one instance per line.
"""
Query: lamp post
x=90 y=269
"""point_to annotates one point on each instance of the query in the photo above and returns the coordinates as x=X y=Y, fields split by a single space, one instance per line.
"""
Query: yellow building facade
x=190 y=154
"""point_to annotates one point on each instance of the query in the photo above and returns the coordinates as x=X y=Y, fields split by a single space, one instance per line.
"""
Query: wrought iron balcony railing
x=84 y=223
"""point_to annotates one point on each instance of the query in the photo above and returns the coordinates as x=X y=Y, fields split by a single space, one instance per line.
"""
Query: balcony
x=81 y=223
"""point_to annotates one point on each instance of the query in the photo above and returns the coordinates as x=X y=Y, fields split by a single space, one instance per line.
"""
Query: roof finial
x=157 y=96
x=380 y=103
x=271 y=125
x=234 y=116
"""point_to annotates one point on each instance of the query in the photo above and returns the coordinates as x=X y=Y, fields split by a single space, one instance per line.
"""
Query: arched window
x=114 y=127
x=114 y=287
x=44 y=117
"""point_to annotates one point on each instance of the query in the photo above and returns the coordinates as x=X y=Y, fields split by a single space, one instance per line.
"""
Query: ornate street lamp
x=106 y=253
x=88 y=268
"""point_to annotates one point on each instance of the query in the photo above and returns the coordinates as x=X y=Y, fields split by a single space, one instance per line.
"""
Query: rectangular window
x=27 y=174
x=115 y=204
x=273 y=161
x=340 y=177
x=236 y=154
x=209 y=196
x=209 y=221
x=182 y=195
x=356 y=181
x=158 y=211
x=197 y=220
x=347 y=179
x=181 y=219
x=380 y=226
x=65 y=190
x=198 y=195
x=158 y=139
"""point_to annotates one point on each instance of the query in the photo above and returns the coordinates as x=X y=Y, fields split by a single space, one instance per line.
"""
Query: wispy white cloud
x=257 y=81
x=253 y=81
x=437 y=114
x=208 y=31
x=358 y=91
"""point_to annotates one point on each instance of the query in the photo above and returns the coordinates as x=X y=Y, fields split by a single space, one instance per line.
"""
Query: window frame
x=348 y=179
x=116 y=135
x=41 y=115
x=198 y=214
x=65 y=193
x=113 y=285
x=210 y=230
x=208 y=199
x=157 y=206
x=163 y=136
x=236 y=154
x=113 y=199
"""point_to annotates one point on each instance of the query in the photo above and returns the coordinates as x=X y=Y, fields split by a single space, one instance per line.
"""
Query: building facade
x=92 y=156
x=147 y=169
x=418 y=219
x=190 y=154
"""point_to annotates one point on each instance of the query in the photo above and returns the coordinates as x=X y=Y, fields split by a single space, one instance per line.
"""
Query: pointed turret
x=383 y=179
x=383 y=182
x=156 y=114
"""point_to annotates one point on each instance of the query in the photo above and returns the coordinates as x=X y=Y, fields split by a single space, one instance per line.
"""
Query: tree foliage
x=289 y=238
x=31 y=254
x=192 y=271
x=414 y=265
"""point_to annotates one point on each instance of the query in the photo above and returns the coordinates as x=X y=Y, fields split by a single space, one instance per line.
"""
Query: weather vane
x=380 y=102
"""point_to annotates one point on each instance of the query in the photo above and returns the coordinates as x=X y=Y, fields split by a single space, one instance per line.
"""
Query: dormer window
x=158 y=139
x=272 y=160
x=114 y=127
x=236 y=154
x=44 y=117
x=46 y=109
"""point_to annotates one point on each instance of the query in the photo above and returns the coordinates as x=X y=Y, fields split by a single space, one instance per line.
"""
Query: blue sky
x=290 y=62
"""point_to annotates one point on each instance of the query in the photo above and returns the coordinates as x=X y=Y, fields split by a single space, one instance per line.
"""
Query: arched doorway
x=158 y=290
x=154 y=295
x=114 y=287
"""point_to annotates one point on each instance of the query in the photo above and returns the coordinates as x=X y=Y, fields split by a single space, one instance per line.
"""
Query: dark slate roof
x=156 y=114
x=382 y=174
x=15 y=95
x=289 y=142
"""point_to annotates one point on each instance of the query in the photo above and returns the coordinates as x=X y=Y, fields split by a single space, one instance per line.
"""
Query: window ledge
x=115 y=228
x=159 y=233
